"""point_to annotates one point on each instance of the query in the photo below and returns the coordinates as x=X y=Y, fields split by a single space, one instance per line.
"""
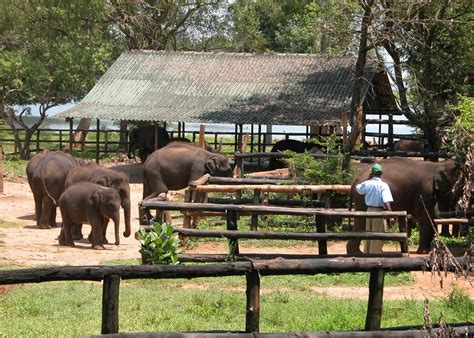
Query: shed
x=233 y=88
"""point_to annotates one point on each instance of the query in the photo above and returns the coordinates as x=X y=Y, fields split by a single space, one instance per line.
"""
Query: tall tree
x=52 y=52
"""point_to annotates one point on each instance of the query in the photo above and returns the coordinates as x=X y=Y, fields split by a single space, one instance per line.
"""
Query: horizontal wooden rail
x=265 y=267
x=274 y=188
x=241 y=180
x=310 y=236
x=261 y=209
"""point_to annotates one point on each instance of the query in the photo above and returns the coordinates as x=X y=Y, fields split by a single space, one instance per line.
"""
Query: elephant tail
x=47 y=193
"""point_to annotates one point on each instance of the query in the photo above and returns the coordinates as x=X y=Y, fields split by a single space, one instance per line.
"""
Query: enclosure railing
x=112 y=275
x=232 y=210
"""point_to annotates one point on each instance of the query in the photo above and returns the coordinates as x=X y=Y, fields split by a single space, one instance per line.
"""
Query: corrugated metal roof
x=222 y=88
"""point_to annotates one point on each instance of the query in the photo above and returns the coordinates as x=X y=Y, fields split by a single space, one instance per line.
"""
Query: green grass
x=74 y=308
x=14 y=165
x=5 y=224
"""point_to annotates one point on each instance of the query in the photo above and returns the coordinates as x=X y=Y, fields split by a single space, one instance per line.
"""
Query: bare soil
x=23 y=244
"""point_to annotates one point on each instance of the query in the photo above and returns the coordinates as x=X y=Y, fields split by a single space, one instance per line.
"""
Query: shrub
x=159 y=245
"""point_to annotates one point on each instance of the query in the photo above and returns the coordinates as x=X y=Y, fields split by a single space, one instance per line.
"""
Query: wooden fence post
x=252 y=318
x=374 y=308
x=232 y=225
x=402 y=227
x=110 y=304
x=1 y=168
x=254 y=217
x=320 y=221
x=97 y=140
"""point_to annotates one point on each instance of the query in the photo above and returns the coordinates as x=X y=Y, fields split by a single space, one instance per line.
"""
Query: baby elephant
x=91 y=203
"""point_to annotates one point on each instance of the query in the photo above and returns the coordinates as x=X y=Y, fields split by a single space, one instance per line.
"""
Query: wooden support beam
x=256 y=201
x=291 y=189
x=202 y=136
x=321 y=228
x=97 y=142
x=305 y=236
x=374 y=310
x=231 y=228
x=110 y=304
x=252 y=316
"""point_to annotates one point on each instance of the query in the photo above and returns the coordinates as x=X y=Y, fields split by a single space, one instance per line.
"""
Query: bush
x=159 y=245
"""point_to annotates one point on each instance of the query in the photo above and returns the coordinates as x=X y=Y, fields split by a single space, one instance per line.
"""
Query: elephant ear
x=211 y=165
x=95 y=199
x=103 y=181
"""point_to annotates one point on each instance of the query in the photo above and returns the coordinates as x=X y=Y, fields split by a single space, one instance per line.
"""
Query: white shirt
x=376 y=192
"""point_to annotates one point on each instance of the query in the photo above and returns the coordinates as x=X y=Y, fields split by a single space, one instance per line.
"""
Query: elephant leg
x=77 y=231
x=48 y=206
x=52 y=217
x=353 y=245
x=445 y=230
x=38 y=206
x=65 y=237
x=105 y=223
x=96 y=224
x=426 y=235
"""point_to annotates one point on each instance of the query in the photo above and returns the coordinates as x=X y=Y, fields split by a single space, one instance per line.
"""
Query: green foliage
x=325 y=171
x=460 y=137
x=159 y=245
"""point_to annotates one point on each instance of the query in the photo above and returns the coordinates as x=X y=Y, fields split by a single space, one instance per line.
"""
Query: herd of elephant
x=90 y=193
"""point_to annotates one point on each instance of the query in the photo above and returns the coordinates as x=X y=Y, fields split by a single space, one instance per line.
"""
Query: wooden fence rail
x=111 y=276
x=232 y=210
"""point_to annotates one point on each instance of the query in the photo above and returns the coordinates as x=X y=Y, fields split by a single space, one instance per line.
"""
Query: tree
x=51 y=55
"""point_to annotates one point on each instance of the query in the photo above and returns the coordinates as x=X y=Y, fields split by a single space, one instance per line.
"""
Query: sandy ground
x=23 y=244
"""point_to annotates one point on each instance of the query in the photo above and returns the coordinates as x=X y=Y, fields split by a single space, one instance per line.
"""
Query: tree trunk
x=81 y=133
x=356 y=102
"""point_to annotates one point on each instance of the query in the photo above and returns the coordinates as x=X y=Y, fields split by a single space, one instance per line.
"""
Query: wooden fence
x=232 y=210
x=112 y=275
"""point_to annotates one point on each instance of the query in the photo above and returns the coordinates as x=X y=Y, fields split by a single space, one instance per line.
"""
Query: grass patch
x=74 y=309
x=14 y=165
x=5 y=224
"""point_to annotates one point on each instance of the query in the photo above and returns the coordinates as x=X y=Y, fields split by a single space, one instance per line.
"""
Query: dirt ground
x=23 y=244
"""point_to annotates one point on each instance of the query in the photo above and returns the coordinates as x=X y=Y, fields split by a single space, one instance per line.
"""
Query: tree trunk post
x=97 y=140
x=252 y=318
x=71 y=124
x=1 y=168
x=321 y=227
x=232 y=225
x=374 y=309
x=254 y=217
x=110 y=304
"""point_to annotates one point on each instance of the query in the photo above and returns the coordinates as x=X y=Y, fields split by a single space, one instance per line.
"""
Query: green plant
x=328 y=170
x=159 y=245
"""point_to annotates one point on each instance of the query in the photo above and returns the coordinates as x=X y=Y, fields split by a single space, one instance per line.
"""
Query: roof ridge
x=183 y=52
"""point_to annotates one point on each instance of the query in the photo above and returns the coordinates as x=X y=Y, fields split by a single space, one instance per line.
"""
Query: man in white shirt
x=377 y=198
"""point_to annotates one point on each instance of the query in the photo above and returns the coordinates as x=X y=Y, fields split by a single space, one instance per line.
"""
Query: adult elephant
x=47 y=174
x=293 y=145
x=106 y=177
x=414 y=186
x=143 y=139
x=409 y=145
x=176 y=165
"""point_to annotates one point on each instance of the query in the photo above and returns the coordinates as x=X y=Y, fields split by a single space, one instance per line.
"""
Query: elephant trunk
x=127 y=215
x=116 y=220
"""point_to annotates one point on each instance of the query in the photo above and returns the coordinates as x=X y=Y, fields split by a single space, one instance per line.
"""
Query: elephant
x=409 y=145
x=143 y=139
x=176 y=165
x=409 y=181
x=207 y=146
x=106 y=177
x=47 y=172
x=91 y=203
x=293 y=145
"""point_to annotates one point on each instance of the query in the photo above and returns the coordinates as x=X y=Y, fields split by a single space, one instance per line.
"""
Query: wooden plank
x=200 y=181
x=263 y=209
x=213 y=258
x=252 y=316
x=289 y=189
x=374 y=309
x=202 y=134
x=308 y=236
x=451 y=221
x=110 y=304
